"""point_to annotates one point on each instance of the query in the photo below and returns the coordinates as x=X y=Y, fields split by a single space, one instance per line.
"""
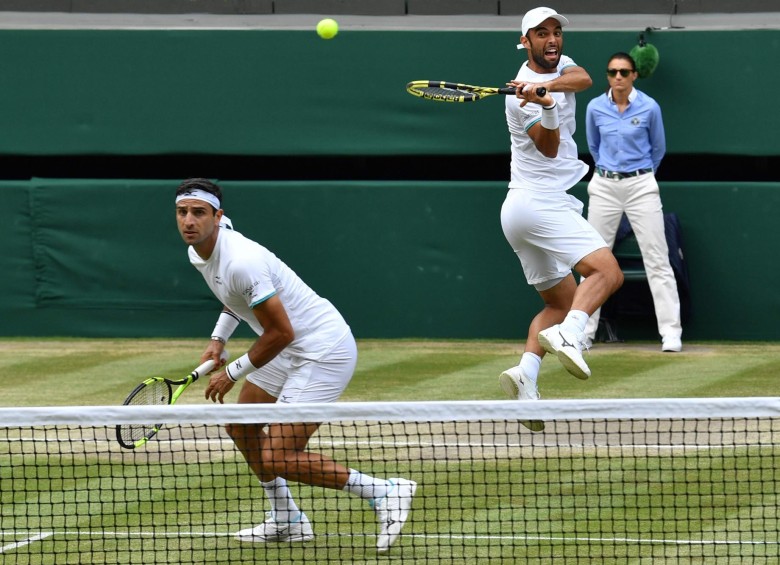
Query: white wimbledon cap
x=536 y=16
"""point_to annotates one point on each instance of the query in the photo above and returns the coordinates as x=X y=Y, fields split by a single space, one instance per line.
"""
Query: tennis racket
x=156 y=391
x=455 y=92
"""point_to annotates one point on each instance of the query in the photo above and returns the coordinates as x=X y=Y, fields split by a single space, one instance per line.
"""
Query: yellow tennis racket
x=441 y=91
x=156 y=391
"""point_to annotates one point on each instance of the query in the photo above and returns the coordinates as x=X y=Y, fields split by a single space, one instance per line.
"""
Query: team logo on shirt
x=250 y=290
x=218 y=279
x=635 y=122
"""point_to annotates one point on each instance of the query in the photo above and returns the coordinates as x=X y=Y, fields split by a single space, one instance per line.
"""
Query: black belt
x=617 y=175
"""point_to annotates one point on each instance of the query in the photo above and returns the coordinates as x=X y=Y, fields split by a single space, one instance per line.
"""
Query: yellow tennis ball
x=327 y=28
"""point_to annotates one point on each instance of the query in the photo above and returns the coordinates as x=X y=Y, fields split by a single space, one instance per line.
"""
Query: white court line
x=605 y=540
x=191 y=534
x=108 y=533
x=28 y=541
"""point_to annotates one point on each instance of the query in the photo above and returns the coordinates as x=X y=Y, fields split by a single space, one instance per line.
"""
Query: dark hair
x=202 y=184
x=626 y=57
x=621 y=55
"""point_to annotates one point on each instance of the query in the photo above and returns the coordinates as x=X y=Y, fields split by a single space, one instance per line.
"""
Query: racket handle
x=208 y=365
x=203 y=368
x=541 y=91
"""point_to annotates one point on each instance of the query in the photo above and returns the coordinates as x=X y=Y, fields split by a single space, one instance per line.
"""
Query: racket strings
x=155 y=393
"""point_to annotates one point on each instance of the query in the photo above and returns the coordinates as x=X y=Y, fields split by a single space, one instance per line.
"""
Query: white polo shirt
x=242 y=274
x=529 y=168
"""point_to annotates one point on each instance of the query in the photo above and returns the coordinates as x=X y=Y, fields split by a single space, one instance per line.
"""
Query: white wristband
x=550 y=117
x=239 y=368
x=226 y=325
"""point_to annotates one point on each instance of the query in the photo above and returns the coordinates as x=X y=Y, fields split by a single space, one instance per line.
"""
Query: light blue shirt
x=629 y=141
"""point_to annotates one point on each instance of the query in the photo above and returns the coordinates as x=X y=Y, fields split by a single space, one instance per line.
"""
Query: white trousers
x=640 y=199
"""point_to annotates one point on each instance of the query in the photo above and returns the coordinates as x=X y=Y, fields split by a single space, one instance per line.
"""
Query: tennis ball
x=327 y=28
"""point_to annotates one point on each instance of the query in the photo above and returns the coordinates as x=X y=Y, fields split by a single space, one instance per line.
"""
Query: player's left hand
x=219 y=385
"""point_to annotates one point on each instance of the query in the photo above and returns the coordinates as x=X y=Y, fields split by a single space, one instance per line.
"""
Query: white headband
x=198 y=194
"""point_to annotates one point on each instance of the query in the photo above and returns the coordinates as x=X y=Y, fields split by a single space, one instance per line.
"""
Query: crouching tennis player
x=305 y=352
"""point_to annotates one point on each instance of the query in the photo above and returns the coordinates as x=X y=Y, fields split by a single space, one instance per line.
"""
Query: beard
x=538 y=57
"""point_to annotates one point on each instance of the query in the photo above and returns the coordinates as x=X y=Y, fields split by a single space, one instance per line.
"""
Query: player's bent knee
x=618 y=279
x=611 y=270
x=235 y=431
x=239 y=432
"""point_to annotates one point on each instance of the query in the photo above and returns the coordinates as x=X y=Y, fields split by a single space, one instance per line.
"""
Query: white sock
x=530 y=364
x=575 y=321
x=366 y=487
x=283 y=507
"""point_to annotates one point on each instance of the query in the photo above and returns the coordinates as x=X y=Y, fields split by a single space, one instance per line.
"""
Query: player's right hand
x=526 y=92
x=215 y=352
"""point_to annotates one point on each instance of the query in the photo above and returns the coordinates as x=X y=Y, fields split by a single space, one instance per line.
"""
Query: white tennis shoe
x=272 y=531
x=568 y=347
x=516 y=384
x=393 y=510
x=671 y=345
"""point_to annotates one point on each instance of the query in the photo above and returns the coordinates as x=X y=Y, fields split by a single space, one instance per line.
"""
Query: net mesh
x=605 y=482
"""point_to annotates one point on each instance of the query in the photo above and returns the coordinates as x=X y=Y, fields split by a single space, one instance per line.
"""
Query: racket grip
x=203 y=368
x=209 y=364
x=541 y=91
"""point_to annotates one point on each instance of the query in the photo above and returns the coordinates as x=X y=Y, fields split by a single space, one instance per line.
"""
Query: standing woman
x=625 y=134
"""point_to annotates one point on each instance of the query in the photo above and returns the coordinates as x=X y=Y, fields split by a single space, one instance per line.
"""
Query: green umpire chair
x=633 y=299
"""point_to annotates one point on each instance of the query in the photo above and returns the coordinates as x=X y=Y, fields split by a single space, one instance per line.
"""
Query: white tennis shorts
x=548 y=233
x=293 y=379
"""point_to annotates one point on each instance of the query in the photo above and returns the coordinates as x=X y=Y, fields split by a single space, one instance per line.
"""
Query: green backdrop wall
x=104 y=258
x=101 y=257
x=266 y=92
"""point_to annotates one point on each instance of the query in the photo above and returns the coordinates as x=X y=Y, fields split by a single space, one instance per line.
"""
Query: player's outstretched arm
x=572 y=79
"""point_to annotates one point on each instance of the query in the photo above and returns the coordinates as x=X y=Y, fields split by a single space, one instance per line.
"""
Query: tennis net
x=607 y=481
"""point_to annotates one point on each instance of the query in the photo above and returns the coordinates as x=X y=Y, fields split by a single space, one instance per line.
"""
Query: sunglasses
x=623 y=72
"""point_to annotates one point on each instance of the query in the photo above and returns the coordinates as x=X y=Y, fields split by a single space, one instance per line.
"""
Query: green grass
x=536 y=498
x=98 y=372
